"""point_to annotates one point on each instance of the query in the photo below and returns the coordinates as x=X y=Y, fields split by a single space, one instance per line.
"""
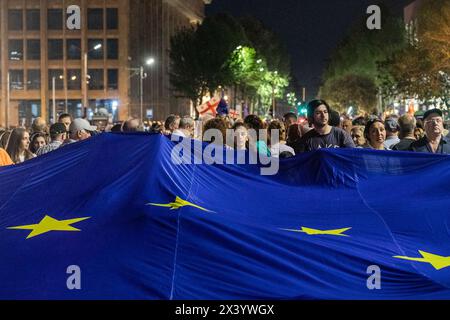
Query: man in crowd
x=185 y=128
x=407 y=125
x=131 y=125
x=39 y=126
x=65 y=119
x=347 y=125
x=323 y=135
x=289 y=118
x=434 y=141
x=392 y=128
x=58 y=135
x=80 y=129
x=171 y=124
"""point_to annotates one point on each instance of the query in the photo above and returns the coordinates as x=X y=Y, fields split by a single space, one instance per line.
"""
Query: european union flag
x=114 y=218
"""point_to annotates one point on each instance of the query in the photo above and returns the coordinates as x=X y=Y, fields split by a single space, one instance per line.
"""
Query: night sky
x=310 y=29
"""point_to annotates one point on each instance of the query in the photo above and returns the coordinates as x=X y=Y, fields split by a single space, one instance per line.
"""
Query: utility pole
x=84 y=85
x=141 y=91
x=54 y=98
x=8 y=98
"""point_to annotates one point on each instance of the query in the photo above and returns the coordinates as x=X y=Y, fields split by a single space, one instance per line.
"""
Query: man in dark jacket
x=434 y=141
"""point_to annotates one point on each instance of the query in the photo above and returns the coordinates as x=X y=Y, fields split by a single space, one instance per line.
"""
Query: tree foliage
x=219 y=54
x=358 y=57
x=422 y=69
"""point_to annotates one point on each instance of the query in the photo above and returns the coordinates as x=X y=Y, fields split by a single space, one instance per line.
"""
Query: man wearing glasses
x=434 y=140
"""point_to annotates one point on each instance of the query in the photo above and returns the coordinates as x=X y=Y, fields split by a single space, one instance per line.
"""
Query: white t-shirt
x=279 y=148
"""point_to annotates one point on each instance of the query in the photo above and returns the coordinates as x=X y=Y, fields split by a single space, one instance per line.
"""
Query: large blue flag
x=114 y=218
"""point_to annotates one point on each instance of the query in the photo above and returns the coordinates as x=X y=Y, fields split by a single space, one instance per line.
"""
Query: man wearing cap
x=392 y=128
x=58 y=134
x=80 y=129
x=323 y=135
x=434 y=141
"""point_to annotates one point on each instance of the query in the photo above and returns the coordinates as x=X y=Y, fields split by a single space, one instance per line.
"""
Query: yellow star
x=438 y=262
x=48 y=224
x=179 y=203
x=314 y=232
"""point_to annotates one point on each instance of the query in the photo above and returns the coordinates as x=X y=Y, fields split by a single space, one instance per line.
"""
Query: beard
x=320 y=124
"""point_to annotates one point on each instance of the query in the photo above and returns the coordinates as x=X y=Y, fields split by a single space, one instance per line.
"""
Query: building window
x=96 y=81
x=95 y=19
x=55 y=49
x=15 y=50
x=74 y=79
x=112 y=19
x=29 y=110
x=16 y=79
x=113 y=79
x=58 y=74
x=55 y=19
x=95 y=49
x=33 y=49
x=73 y=49
x=113 y=49
x=33 y=79
x=33 y=19
x=74 y=107
x=15 y=20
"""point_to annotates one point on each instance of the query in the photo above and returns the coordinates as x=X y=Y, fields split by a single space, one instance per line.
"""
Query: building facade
x=90 y=68
x=153 y=22
x=410 y=18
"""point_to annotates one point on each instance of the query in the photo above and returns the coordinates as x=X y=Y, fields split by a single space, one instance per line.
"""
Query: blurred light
x=73 y=78
x=150 y=61
x=261 y=69
x=258 y=61
x=350 y=110
x=239 y=48
x=98 y=46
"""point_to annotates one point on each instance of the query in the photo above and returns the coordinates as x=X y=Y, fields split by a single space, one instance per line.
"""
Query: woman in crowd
x=217 y=124
x=279 y=148
x=294 y=134
x=18 y=144
x=375 y=134
x=37 y=140
x=240 y=136
x=357 y=134
x=255 y=123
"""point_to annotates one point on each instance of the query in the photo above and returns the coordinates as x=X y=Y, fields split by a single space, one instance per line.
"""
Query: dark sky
x=310 y=29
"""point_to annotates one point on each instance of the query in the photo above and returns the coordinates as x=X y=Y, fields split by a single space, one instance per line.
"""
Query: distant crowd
x=324 y=128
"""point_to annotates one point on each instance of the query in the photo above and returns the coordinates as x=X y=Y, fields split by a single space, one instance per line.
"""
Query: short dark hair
x=314 y=104
x=290 y=115
x=254 y=122
x=64 y=115
x=335 y=119
x=169 y=121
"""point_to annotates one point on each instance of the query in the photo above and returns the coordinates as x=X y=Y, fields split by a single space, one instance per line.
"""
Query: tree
x=422 y=69
x=199 y=57
x=185 y=66
x=351 y=90
x=358 y=57
x=434 y=32
x=217 y=38
x=267 y=44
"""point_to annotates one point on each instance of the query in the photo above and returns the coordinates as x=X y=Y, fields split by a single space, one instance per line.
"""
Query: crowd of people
x=325 y=128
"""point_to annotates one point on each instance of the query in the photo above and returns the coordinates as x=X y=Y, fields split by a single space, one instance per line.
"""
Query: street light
x=142 y=75
x=86 y=77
